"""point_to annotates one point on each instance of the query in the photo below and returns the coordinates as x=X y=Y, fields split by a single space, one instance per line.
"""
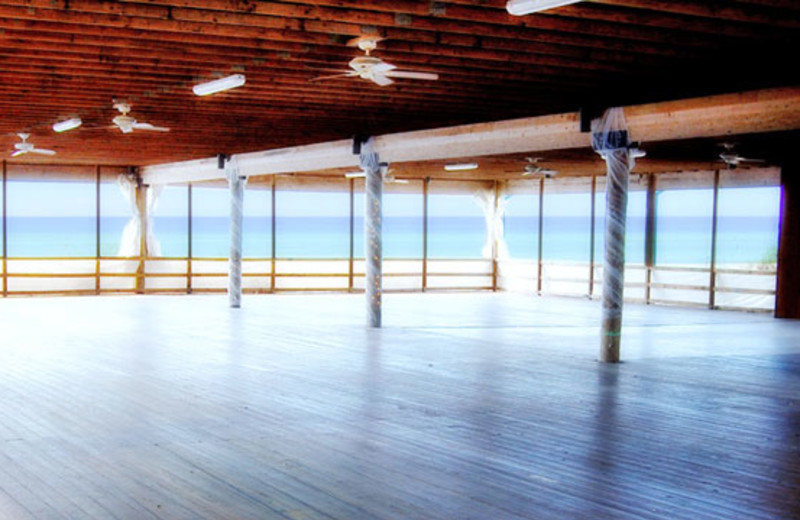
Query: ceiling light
x=523 y=7
x=354 y=175
x=460 y=167
x=219 y=85
x=67 y=124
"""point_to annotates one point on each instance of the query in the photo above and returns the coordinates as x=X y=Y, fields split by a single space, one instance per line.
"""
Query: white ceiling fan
x=375 y=69
x=128 y=124
x=733 y=159
x=386 y=172
x=26 y=147
x=533 y=168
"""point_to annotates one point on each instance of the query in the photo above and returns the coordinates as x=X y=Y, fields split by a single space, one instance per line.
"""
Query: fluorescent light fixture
x=355 y=175
x=219 y=85
x=460 y=167
x=67 y=124
x=523 y=7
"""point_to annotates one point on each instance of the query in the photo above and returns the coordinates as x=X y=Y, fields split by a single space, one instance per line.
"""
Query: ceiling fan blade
x=43 y=151
x=149 y=127
x=18 y=153
x=410 y=74
x=383 y=68
x=334 y=76
x=745 y=159
x=381 y=80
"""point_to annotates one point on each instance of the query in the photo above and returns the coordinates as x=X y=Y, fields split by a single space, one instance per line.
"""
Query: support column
x=712 y=280
x=591 y=236
x=97 y=231
x=539 y=269
x=373 y=214
x=236 y=184
x=141 y=206
x=787 y=299
x=425 y=189
x=650 y=235
x=612 y=142
x=5 y=231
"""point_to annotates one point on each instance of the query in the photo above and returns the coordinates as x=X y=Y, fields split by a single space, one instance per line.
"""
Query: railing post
x=352 y=237
x=97 y=231
x=712 y=282
x=272 y=236
x=141 y=204
x=541 y=229
x=425 y=191
x=591 y=236
x=189 y=247
x=650 y=235
x=5 y=231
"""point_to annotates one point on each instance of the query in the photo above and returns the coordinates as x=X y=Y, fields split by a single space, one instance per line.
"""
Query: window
x=210 y=221
x=312 y=224
x=115 y=213
x=51 y=218
x=456 y=226
x=170 y=221
x=521 y=229
x=748 y=226
x=683 y=226
x=567 y=224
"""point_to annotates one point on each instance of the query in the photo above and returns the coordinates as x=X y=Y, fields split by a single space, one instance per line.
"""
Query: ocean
x=680 y=240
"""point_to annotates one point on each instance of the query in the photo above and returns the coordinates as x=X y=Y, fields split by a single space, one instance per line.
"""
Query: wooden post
x=493 y=230
x=97 y=232
x=189 y=248
x=273 y=239
x=591 y=237
x=712 y=282
x=5 y=231
x=425 y=190
x=541 y=229
x=619 y=164
x=787 y=297
x=650 y=234
x=352 y=236
x=141 y=204
x=373 y=251
x=236 y=185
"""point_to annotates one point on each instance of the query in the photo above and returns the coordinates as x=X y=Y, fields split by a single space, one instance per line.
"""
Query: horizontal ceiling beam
x=744 y=113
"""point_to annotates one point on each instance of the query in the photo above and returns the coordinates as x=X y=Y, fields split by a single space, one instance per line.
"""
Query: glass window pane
x=634 y=226
x=521 y=226
x=567 y=225
x=51 y=218
x=456 y=226
x=748 y=222
x=115 y=213
x=170 y=221
x=313 y=224
x=210 y=221
x=402 y=221
x=257 y=239
x=683 y=226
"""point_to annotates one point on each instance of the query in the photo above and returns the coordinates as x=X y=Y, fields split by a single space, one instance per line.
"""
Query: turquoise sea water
x=684 y=240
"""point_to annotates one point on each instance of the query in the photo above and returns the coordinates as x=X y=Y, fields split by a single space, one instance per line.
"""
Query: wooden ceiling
x=63 y=58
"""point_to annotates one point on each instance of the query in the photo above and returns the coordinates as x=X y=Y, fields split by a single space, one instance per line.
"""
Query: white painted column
x=612 y=142
x=373 y=212
x=236 y=184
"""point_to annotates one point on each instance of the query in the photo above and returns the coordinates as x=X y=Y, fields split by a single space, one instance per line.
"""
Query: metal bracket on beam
x=221 y=158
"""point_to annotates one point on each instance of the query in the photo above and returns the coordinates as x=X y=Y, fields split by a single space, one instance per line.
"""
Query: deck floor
x=465 y=406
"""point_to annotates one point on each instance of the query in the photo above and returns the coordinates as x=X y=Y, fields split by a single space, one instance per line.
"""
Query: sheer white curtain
x=129 y=244
x=494 y=203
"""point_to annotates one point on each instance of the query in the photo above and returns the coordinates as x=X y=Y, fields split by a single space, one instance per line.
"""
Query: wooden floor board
x=464 y=406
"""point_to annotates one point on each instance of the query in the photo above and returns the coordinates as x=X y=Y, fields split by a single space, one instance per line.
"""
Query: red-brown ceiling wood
x=60 y=58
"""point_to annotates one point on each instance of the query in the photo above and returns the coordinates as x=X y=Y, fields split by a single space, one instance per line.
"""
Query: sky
x=73 y=199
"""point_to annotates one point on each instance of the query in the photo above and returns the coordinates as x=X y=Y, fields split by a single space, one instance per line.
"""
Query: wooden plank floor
x=465 y=406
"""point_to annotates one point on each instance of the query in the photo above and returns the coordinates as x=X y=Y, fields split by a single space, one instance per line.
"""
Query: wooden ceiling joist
x=751 y=112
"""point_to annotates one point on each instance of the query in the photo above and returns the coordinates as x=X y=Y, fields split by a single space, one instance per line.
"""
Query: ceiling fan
x=26 y=147
x=532 y=168
x=386 y=172
x=733 y=159
x=128 y=124
x=375 y=69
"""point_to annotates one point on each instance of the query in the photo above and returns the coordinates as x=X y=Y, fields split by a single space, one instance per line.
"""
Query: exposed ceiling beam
x=749 y=112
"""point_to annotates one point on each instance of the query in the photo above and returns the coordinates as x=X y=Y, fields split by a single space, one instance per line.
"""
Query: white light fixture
x=355 y=175
x=460 y=167
x=67 y=124
x=219 y=85
x=523 y=7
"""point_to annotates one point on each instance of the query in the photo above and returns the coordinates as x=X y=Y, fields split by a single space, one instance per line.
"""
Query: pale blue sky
x=70 y=199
